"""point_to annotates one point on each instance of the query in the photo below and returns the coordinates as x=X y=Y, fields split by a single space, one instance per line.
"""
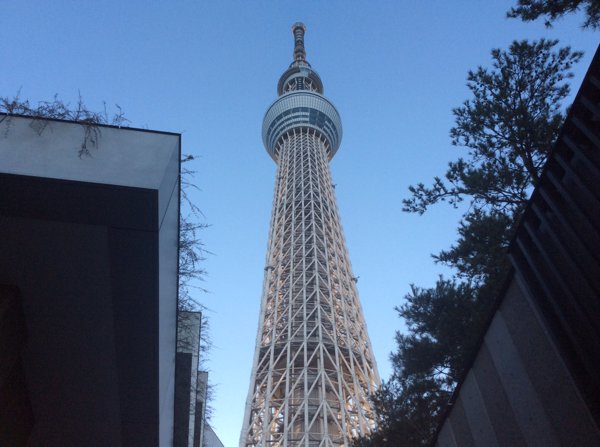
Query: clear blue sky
x=394 y=69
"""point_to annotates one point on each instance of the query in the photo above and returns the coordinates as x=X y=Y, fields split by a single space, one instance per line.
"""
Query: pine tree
x=508 y=127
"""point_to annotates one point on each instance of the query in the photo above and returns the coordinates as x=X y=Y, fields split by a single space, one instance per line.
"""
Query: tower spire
x=298 y=29
x=300 y=75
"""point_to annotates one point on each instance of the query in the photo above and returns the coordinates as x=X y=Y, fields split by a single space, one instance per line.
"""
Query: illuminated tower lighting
x=314 y=369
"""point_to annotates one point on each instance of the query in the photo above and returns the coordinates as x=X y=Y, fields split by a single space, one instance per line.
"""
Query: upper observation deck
x=301 y=104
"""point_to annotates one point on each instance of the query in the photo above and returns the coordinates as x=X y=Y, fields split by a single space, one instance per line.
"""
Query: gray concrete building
x=88 y=284
x=186 y=380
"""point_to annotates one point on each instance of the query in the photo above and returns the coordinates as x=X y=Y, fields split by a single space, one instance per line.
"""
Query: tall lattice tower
x=314 y=368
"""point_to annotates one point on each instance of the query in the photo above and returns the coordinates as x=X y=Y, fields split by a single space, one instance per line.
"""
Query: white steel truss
x=314 y=369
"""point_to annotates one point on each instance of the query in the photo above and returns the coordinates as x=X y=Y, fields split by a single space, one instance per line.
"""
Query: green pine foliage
x=529 y=10
x=507 y=128
x=405 y=406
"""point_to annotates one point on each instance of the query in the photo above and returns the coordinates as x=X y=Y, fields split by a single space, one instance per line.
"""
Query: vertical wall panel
x=479 y=421
x=497 y=405
x=446 y=437
x=530 y=414
x=547 y=372
x=460 y=425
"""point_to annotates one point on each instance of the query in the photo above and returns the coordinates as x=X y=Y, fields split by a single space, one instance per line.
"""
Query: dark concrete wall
x=63 y=273
x=519 y=391
x=16 y=415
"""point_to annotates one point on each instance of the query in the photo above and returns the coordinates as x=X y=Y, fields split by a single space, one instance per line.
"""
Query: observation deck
x=301 y=104
x=302 y=109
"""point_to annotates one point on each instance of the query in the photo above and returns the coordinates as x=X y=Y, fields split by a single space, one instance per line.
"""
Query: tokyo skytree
x=314 y=369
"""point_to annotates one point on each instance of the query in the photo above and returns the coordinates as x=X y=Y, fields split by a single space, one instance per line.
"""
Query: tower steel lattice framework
x=313 y=368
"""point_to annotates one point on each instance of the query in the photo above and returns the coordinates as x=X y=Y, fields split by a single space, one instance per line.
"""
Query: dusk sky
x=394 y=70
